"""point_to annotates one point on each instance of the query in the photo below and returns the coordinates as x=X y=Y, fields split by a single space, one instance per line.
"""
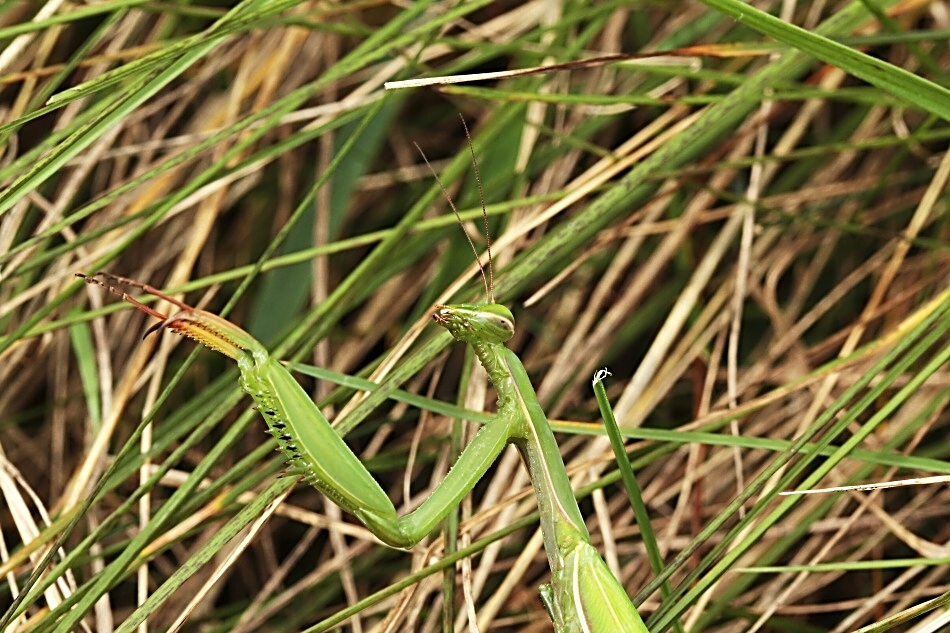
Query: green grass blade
x=913 y=90
x=640 y=511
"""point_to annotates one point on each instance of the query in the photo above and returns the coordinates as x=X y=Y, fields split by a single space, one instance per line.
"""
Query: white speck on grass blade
x=600 y=375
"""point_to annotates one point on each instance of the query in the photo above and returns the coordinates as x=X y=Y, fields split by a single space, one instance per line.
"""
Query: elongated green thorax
x=583 y=597
x=486 y=328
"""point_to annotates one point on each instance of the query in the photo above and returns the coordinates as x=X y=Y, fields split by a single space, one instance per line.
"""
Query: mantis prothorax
x=583 y=595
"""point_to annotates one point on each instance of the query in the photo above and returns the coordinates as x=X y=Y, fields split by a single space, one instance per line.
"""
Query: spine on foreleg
x=282 y=430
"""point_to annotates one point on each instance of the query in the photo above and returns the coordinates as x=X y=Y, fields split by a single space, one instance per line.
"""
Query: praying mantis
x=582 y=596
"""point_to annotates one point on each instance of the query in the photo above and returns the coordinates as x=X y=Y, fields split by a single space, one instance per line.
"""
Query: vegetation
x=749 y=231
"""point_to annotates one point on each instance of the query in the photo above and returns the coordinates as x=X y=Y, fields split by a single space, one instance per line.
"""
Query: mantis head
x=203 y=327
x=473 y=323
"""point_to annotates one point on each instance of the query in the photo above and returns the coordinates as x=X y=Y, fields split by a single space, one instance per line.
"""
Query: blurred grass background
x=750 y=238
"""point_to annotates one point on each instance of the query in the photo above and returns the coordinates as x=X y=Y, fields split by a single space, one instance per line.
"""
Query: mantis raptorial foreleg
x=312 y=447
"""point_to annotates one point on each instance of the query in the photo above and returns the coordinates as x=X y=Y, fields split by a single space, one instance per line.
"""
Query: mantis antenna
x=481 y=199
x=489 y=279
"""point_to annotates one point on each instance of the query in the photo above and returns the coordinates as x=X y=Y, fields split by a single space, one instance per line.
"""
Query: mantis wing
x=586 y=598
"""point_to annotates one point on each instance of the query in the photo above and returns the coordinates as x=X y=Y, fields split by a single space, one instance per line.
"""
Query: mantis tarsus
x=583 y=594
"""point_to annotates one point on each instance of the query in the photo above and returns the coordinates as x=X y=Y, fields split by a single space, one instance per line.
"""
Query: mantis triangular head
x=477 y=323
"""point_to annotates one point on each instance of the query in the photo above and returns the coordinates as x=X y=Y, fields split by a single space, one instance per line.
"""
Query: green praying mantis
x=583 y=595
